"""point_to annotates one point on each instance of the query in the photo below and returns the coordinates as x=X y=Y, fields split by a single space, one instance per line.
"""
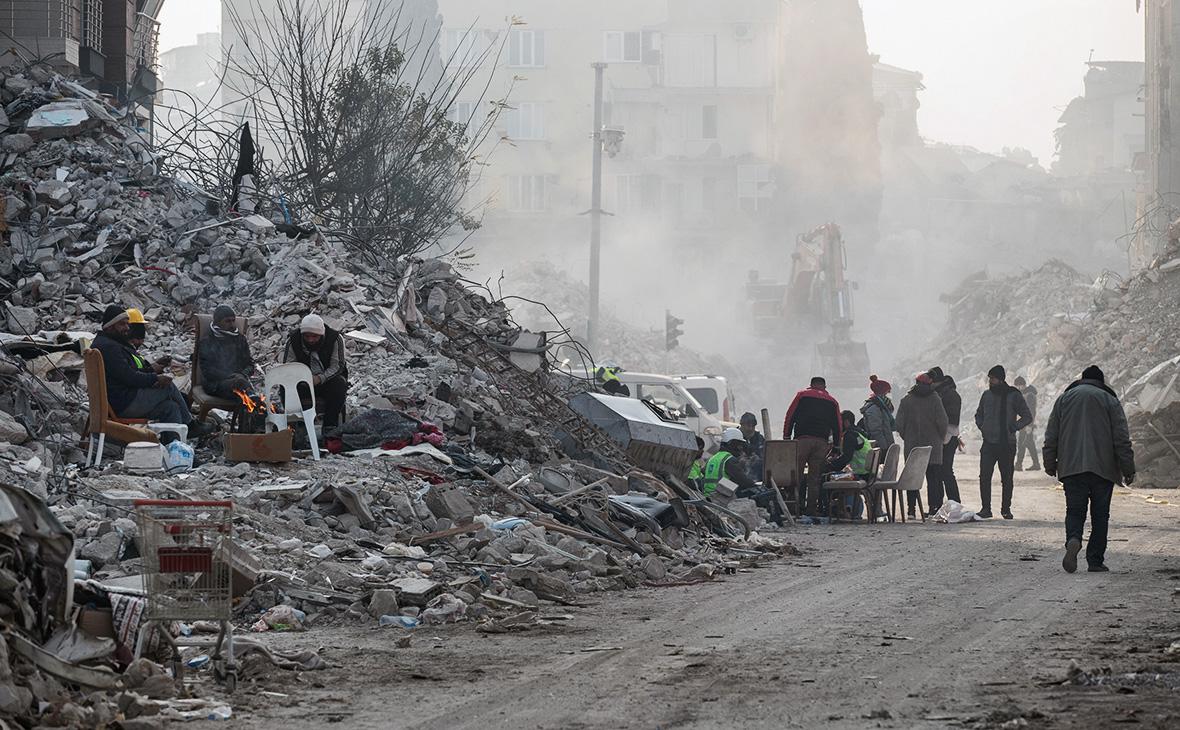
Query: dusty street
x=887 y=626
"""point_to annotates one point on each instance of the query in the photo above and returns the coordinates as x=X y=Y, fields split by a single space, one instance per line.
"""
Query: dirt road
x=896 y=626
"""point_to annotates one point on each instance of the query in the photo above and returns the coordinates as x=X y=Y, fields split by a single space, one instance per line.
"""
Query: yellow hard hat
x=134 y=316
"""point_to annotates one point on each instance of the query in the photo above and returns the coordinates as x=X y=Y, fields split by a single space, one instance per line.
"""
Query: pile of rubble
x=1049 y=324
x=488 y=521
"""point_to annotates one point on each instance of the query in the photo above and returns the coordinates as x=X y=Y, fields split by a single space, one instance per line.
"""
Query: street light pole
x=595 y=211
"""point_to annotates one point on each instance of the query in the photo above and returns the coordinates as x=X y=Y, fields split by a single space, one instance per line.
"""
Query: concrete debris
x=444 y=521
x=1051 y=323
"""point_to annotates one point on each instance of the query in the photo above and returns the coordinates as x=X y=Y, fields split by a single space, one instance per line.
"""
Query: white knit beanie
x=312 y=324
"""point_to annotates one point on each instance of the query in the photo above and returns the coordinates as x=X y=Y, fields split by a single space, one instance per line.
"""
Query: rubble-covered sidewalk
x=487 y=521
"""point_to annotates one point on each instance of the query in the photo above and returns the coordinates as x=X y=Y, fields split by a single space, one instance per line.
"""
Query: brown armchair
x=102 y=421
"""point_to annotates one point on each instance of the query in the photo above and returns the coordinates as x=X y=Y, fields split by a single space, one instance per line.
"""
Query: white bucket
x=143 y=457
x=178 y=428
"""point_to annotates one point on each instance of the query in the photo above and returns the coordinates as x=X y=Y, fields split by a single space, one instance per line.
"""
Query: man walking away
x=1001 y=414
x=952 y=403
x=1088 y=447
x=814 y=421
x=921 y=421
x=1027 y=439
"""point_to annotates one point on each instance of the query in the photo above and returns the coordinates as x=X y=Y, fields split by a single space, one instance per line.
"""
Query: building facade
x=110 y=44
x=690 y=84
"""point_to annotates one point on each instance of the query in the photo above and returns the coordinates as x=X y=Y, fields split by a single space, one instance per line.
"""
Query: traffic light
x=672 y=331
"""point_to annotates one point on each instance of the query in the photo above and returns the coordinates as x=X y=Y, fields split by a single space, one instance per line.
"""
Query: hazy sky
x=997 y=72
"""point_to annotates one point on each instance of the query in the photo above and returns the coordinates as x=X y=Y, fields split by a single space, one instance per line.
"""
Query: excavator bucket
x=843 y=364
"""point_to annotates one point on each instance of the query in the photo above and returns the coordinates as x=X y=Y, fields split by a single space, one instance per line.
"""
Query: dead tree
x=355 y=129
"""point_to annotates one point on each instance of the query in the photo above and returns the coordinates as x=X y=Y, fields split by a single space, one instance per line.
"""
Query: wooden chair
x=839 y=489
x=206 y=402
x=911 y=480
x=102 y=421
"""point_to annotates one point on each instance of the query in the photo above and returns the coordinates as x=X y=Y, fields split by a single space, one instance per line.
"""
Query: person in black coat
x=952 y=403
x=226 y=363
x=1026 y=440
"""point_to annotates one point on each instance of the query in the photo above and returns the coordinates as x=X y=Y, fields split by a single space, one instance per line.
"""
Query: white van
x=712 y=392
x=672 y=396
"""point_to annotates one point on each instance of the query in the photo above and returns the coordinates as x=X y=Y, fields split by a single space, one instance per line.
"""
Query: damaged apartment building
x=111 y=45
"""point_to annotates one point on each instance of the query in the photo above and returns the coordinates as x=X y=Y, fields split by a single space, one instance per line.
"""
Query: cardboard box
x=258 y=447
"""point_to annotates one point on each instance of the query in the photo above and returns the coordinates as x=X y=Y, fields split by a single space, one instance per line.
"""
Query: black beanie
x=112 y=314
x=1094 y=373
x=998 y=373
x=936 y=374
x=223 y=311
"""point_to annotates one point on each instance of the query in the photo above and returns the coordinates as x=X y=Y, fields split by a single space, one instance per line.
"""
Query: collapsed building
x=1049 y=323
x=467 y=487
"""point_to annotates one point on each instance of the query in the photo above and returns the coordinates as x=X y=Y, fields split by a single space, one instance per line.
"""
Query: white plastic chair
x=289 y=376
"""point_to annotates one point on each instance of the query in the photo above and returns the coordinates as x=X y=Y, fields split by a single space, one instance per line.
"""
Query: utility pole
x=595 y=211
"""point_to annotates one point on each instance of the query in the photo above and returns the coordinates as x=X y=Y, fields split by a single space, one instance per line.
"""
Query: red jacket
x=814 y=414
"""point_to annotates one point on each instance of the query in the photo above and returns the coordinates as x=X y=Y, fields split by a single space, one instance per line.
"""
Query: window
x=690 y=60
x=754 y=188
x=527 y=193
x=674 y=400
x=622 y=46
x=462 y=112
x=465 y=48
x=634 y=193
x=526 y=48
x=707 y=397
x=709 y=122
x=526 y=121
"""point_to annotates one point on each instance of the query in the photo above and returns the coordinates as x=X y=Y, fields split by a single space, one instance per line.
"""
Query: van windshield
x=672 y=399
x=707 y=398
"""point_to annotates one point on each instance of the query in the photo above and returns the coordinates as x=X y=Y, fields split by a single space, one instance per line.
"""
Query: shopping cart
x=187 y=550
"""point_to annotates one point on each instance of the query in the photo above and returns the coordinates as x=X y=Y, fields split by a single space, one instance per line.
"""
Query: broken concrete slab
x=446 y=500
x=66 y=118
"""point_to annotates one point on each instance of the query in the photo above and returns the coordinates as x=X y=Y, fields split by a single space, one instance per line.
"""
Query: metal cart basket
x=187 y=550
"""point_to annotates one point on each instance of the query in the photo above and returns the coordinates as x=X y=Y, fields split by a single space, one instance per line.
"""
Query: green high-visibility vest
x=695 y=472
x=140 y=364
x=860 y=458
x=715 y=471
x=607 y=374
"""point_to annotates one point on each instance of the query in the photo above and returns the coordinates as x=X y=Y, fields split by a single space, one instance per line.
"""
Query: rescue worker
x=855 y=449
x=696 y=475
x=755 y=446
x=136 y=335
x=727 y=464
x=321 y=349
x=608 y=378
x=1026 y=440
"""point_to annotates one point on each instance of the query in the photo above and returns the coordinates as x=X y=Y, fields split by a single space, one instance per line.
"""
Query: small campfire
x=252 y=417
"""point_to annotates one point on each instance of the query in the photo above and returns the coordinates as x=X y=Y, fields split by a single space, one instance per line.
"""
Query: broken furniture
x=838 y=489
x=206 y=402
x=911 y=480
x=653 y=440
x=102 y=421
x=780 y=466
x=288 y=377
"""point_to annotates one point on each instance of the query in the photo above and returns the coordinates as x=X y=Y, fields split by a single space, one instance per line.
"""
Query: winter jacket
x=922 y=421
x=813 y=414
x=326 y=361
x=224 y=356
x=124 y=378
x=853 y=441
x=952 y=402
x=1087 y=433
x=1030 y=398
x=1003 y=402
x=878 y=421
